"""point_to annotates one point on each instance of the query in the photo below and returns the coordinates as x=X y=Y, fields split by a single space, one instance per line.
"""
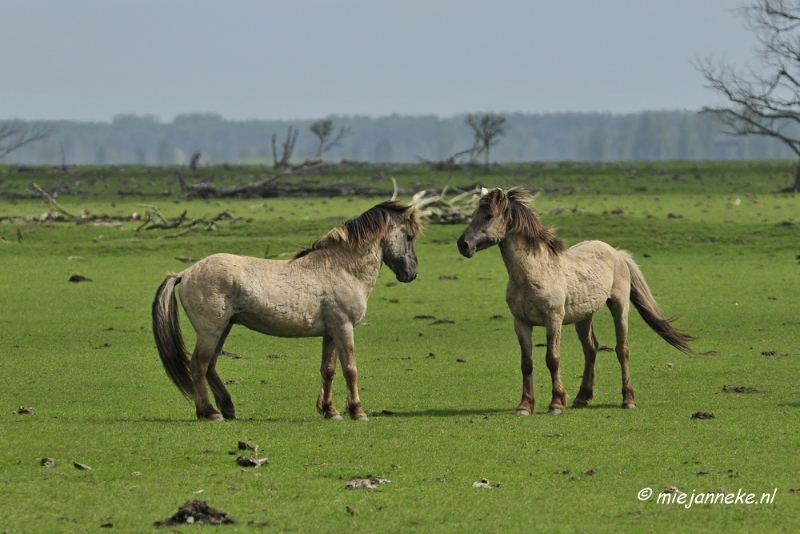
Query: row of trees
x=525 y=137
x=762 y=103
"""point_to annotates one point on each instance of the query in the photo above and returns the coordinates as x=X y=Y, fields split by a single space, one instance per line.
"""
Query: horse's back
x=594 y=247
x=603 y=266
x=232 y=274
x=592 y=273
x=596 y=253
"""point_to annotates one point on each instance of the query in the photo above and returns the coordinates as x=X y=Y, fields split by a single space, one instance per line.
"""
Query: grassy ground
x=83 y=356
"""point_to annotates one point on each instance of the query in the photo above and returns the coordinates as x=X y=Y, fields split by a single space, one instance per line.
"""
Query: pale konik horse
x=550 y=285
x=321 y=292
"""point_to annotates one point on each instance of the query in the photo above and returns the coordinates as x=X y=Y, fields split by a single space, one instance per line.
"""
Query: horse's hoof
x=523 y=412
x=555 y=411
x=579 y=404
x=229 y=415
x=215 y=417
x=629 y=406
x=362 y=418
x=334 y=417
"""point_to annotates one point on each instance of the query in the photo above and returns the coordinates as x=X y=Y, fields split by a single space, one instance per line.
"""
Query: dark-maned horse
x=322 y=291
x=550 y=285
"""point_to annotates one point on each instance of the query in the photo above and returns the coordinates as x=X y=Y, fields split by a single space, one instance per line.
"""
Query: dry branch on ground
x=437 y=209
x=151 y=219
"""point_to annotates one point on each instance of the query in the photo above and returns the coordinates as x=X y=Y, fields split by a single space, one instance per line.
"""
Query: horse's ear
x=484 y=191
x=500 y=192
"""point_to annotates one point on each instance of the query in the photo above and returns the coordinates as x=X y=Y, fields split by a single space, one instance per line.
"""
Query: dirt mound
x=199 y=512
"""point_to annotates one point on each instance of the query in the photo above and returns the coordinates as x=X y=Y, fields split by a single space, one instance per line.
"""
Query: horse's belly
x=282 y=321
x=279 y=328
x=537 y=313
x=577 y=316
x=582 y=305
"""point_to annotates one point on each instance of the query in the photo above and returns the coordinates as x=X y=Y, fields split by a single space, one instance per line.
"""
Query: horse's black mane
x=367 y=226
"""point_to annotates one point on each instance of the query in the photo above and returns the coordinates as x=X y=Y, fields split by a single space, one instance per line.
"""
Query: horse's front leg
x=343 y=342
x=559 y=402
x=327 y=370
x=524 y=330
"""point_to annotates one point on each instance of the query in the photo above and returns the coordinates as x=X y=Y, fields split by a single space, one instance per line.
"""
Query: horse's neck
x=362 y=263
x=522 y=260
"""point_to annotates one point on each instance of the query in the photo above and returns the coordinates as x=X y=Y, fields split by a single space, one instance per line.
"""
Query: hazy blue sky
x=90 y=60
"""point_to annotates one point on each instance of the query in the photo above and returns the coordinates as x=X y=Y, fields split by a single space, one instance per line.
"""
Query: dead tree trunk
x=795 y=188
x=194 y=160
x=288 y=148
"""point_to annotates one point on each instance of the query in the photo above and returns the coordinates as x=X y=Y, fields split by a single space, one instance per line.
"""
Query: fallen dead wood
x=212 y=224
x=152 y=219
x=272 y=188
x=53 y=190
x=452 y=163
x=166 y=225
x=155 y=220
x=259 y=189
x=50 y=200
x=83 y=218
x=265 y=188
x=437 y=209
x=277 y=185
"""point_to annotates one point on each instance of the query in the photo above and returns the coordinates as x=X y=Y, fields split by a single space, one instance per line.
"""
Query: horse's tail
x=167 y=331
x=646 y=305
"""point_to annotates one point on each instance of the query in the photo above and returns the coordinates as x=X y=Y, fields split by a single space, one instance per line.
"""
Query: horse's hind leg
x=221 y=395
x=619 y=310
x=202 y=359
x=589 y=343
x=327 y=370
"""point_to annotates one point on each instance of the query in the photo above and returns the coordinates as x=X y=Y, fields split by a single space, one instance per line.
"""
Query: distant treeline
x=661 y=135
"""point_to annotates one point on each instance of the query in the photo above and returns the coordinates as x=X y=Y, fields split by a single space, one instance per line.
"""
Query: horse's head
x=392 y=225
x=398 y=242
x=488 y=224
x=501 y=213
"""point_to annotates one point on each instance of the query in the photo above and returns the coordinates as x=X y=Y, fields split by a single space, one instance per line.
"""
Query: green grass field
x=716 y=245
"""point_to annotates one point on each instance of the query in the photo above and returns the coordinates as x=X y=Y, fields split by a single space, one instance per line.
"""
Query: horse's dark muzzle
x=464 y=248
x=404 y=271
x=406 y=277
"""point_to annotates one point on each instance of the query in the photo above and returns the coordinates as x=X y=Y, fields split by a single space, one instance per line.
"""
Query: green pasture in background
x=715 y=242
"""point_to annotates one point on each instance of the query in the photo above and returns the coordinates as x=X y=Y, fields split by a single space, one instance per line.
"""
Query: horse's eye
x=409 y=238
